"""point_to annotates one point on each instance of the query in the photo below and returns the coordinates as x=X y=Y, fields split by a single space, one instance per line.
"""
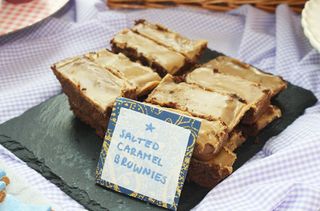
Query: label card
x=146 y=152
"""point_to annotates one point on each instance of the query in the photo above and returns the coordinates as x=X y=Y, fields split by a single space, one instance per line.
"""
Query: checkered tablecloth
x=284 y=175
x=18 y=16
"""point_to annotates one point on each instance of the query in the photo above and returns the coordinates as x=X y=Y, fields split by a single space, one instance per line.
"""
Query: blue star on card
x=185 y=122
x=150 y=127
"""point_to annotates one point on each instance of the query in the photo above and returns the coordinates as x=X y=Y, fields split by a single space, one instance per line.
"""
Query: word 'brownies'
x=153 y=64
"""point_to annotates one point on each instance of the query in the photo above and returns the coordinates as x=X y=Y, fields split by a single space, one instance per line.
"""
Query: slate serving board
x=64 y=150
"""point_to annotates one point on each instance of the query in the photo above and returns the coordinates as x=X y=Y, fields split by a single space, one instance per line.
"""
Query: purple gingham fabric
x=284 y=175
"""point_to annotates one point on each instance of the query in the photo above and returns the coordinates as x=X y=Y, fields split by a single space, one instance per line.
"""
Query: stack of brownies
x=153 y=64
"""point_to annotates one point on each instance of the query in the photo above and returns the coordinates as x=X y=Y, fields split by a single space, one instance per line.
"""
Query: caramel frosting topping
x=211 y=136
x=172 y=40
x=210 y=173
x=236 y=138
x=225 y=158
x=211 y=133
x=168 y=59
x=227 y=84
x=198 y=102
x=230 y=66
x=144 y=78
x=272 y=113
x=100 y=85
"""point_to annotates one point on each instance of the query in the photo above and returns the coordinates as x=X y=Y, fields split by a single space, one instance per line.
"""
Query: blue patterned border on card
x=174 y=118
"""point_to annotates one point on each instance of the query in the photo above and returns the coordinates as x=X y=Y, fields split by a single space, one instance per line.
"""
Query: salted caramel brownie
x=191 y=49
x=212 y=136
x=144 y=78
x=212 y=157
x=254 y=95
x=272 y=113
x=230 y=66
x=236 y=138
x=148 y=52
x=91 y=90
x=209 y=105
x=210 y=173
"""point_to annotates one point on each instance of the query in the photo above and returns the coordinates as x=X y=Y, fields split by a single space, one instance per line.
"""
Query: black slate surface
x=65 y=151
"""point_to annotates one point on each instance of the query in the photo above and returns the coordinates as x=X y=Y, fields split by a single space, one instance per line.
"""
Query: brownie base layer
x=207 y=152
x=207 y=175
x=135 y=56
x=253 y=114
x=271 y=114
x=83 y=107
x=89 y=115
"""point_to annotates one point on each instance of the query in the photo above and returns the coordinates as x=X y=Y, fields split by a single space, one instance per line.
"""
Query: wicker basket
x=218 y=5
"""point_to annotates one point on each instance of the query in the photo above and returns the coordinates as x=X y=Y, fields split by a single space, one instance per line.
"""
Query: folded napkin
x=21 y=192
x=283 y=176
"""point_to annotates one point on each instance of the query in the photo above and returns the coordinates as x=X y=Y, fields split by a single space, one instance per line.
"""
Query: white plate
x=311 y=22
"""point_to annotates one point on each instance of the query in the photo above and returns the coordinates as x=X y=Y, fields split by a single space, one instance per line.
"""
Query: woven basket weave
x=218 y=5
